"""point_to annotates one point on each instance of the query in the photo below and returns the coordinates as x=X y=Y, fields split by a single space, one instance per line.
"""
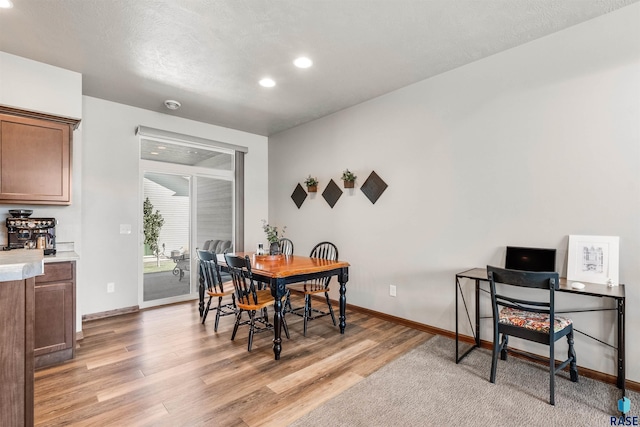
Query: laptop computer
x=530 y=259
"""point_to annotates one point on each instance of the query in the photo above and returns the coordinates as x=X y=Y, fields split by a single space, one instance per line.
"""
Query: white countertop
x=19 y=264
x=61 y=256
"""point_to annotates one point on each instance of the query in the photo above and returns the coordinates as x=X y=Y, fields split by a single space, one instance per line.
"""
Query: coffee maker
x=31 y=233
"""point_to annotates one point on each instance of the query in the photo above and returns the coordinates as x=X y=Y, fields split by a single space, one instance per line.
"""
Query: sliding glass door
x=166 y=224
x=214 y=213
x=188 y=204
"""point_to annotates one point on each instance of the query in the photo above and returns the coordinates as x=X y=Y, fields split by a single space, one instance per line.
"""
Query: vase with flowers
x=273 y=237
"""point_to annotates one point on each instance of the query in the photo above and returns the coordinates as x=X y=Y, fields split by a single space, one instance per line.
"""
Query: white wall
x=35 y=86
x=107 y=195
x=522 y=148
x=39 y=87
x=111 y=185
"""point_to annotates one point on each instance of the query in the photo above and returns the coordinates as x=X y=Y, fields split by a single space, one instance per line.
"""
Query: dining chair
x=211 y=279
x=286 y=246
x=323 y=250
x=529 y=319
x=249 y=299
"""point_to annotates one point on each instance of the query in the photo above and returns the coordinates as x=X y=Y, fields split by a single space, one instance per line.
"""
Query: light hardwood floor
x=161 y=367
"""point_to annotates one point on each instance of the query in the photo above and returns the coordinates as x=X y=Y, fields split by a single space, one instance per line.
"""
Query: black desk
x=591 y=289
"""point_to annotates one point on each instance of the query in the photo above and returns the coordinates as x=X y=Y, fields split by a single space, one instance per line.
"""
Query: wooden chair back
x=544 y=303
x=240 y=271
x=323 y=250
x=286 y=246
x=210 y=271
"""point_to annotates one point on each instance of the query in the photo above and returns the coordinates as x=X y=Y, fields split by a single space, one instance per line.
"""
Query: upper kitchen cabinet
x=35 y=157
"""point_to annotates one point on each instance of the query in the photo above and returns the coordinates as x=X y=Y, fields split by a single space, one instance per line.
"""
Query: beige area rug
x=425 y=387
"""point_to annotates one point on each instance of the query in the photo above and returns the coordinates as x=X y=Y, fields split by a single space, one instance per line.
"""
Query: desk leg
x=457 y=332
x=477 y=313
x=621 y=344
x=476 y=334
x=343 y=277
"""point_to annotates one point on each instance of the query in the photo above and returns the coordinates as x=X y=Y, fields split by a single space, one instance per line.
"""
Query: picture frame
x=593 y=259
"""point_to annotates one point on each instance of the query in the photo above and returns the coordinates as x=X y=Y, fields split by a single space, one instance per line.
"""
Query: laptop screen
x=530 y=259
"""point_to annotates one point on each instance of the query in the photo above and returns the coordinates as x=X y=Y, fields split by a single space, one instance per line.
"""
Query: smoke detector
x=171 y=104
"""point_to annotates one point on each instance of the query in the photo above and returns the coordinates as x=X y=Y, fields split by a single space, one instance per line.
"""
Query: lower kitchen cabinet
x=55 y=318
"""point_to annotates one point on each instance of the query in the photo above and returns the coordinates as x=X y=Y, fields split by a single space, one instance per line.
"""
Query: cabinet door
x=53 y=318
x=35 y=161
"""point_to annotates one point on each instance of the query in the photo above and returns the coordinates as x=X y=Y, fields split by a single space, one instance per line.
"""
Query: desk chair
x=323 y=250
x=211 y=279
x=529 y=319
x=249 y=299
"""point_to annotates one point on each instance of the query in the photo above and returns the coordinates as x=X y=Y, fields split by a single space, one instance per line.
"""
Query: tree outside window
x=153 y=222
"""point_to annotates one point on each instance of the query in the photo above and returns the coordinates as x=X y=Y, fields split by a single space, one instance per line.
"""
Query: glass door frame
x=194 y=172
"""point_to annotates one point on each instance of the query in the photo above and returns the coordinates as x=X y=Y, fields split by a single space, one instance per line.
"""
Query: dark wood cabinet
x=16 y=352
x=55 y=314
x=35 y=157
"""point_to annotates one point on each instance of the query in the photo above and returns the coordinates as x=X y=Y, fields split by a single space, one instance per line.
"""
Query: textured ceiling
x=210 y=54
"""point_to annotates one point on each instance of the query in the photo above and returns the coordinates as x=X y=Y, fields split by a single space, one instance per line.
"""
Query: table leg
x=278 y=291
x=277 y=328
x=343 y=277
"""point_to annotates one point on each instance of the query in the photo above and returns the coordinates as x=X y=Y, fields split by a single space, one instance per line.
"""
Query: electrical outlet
x=392 y=290
x=111 y=287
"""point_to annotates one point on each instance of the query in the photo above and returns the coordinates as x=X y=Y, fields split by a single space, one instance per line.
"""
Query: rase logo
x=624 y=421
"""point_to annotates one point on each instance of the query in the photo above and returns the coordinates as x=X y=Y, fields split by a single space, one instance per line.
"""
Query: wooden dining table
x=280 y=270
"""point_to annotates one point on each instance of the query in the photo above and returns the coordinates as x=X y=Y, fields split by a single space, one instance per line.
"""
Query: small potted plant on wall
x=312 y=184
x=349 y=178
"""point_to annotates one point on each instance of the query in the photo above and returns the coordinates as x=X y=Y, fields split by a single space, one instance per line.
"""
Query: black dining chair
x=323 y=250
x=249 y=299
x=530 y=319
x=212 y=281
x=286 y=246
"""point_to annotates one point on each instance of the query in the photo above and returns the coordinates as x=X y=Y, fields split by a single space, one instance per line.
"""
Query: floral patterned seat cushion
x=530 y=320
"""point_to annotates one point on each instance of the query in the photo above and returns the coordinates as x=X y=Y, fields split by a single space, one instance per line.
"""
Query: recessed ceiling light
x=267 y=82
x=6 y=4
x=161 y=147
x=303 y=62
x=171 y=104
x=154 y=153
